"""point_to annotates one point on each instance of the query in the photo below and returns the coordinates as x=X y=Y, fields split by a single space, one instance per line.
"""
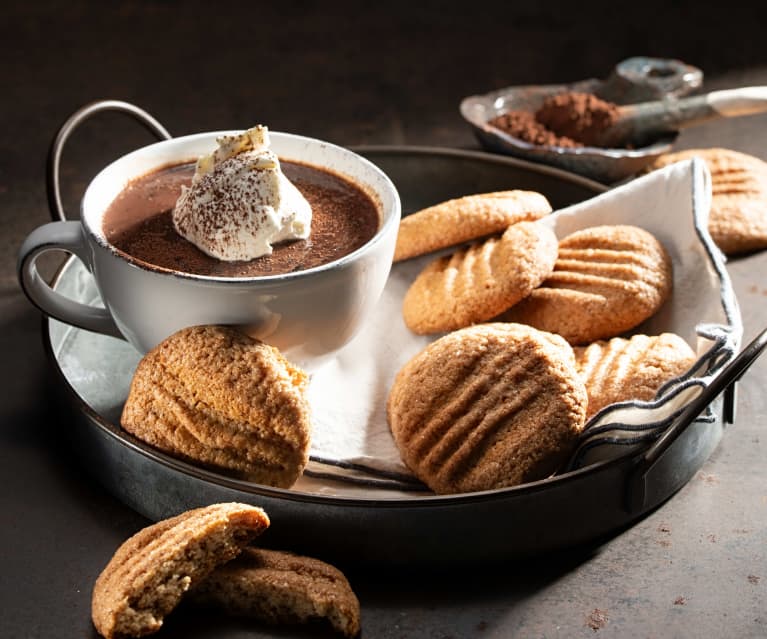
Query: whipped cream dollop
x=239 y=202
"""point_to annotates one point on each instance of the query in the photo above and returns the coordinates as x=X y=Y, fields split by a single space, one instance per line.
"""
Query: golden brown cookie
x=464 y=219
x=148 y=575
x=738 y=219
x=607 y=280
x=487 y=406
x=477 y=283
x=280 y=587
x=635 y=368
x=212 y=395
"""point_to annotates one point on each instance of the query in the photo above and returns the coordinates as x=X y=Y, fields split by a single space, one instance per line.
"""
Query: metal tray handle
x=67 y=128
x=637 y=478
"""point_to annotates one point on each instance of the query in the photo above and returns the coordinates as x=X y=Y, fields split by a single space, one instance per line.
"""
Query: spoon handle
x=736 y=102
x=645 y=120
x=702 y=108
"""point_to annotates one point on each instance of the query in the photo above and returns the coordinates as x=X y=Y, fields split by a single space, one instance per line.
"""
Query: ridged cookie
x=215 y=396
x=488 y=406
x=738 y=219
x=280 y=587
x=623 y=369
x=148 y=575
x=477 y=283
x=464 y=219
x=607 y=280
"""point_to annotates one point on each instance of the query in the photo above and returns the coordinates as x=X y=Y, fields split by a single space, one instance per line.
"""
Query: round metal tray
x=363 y=523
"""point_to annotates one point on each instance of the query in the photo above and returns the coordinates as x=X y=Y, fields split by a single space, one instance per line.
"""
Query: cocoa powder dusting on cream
x=139 y=223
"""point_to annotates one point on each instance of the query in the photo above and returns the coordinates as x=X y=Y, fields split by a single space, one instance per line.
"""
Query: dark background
x=351 y=73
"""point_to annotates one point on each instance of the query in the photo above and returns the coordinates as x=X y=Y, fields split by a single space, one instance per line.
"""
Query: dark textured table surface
x=393 y=73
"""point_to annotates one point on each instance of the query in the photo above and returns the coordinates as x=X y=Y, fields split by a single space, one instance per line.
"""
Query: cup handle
x=65 y=236
x=67 y=128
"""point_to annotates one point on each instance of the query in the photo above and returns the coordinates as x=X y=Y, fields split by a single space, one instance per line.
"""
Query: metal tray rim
x=355 y=501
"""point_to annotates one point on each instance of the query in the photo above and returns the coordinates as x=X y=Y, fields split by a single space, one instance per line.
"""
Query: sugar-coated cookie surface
x=488 y=406
x=215 y=396
x=477 y=283
x=149 y=573
x=606 y=280
x=623 y=369
x=738 y=220
x=464 y=219
x=281 y=587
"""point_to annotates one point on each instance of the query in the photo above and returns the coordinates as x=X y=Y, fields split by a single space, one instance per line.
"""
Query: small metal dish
x=634 y=80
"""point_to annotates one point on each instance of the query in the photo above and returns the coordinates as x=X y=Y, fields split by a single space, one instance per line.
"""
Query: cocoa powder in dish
x=568 y=120
x=524 y=126
x=582 y=117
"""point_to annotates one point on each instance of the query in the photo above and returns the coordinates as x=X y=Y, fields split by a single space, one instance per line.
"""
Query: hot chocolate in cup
x=308 y=313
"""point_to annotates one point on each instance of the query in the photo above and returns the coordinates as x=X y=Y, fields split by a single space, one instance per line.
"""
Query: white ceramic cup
x=308 y=314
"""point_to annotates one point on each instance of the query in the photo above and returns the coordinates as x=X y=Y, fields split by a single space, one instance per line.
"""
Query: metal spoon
x=638 y=124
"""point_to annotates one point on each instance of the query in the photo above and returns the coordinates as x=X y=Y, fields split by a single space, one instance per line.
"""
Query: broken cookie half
x=202 y=556
x=148 y=575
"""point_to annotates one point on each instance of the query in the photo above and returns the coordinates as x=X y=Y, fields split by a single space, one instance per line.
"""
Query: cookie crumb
x=666 y=530
x=753 y=579
x=597 y=619
x=680 y=601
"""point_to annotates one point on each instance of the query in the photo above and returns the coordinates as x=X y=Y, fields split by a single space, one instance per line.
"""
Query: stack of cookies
x=594 y=284
x=531 y=344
